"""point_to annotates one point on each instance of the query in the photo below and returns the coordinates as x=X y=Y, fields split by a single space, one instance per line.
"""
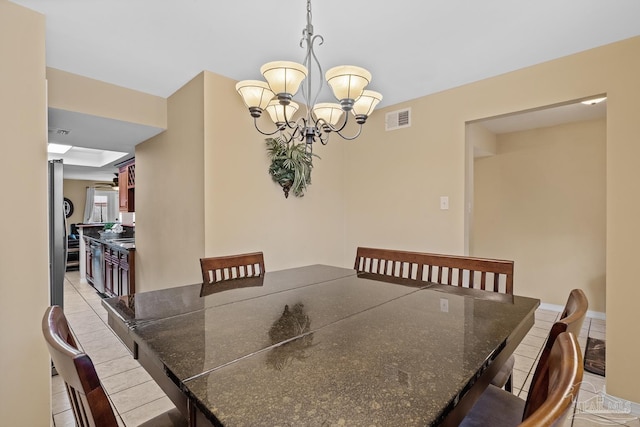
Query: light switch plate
x=444 y=203
x=444 y=305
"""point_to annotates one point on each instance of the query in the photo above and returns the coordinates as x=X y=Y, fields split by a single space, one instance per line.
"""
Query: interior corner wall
x=394 y=179
x=24 y=266
x=245 y=211
x=479 y=142
x=541 y=201
x=170 y=195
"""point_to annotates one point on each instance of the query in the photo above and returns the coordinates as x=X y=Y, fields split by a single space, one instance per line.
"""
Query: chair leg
x=508 y=386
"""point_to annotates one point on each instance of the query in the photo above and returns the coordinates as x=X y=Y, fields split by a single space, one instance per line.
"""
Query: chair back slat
x=218 y=269
x=88 y=399
x=438 y=268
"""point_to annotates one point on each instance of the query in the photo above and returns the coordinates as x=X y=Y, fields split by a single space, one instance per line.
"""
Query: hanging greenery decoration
x=290 y=165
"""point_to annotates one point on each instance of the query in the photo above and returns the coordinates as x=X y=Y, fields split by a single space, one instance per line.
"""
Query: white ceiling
x=99 y=133
x=551 y=116
x=412 y=47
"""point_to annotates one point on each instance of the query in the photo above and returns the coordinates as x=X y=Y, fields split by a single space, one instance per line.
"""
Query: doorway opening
x=536 y=194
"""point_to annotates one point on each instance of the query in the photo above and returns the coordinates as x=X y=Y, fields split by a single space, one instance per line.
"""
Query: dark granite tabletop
x=321 y=345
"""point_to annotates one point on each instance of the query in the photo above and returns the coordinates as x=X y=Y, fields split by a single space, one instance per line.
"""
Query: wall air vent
x=398 y=119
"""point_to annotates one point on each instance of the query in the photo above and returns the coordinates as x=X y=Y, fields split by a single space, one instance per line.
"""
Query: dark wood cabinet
x=119 y=273
x=110 y=267
x=127 y=185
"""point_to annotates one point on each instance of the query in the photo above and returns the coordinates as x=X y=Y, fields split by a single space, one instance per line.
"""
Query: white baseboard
x=554 y=307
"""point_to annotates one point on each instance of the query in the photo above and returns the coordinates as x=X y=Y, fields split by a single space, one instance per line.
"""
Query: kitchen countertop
x=127 y=243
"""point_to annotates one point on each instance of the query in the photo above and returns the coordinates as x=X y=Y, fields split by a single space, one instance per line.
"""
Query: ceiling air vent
x=398 y=119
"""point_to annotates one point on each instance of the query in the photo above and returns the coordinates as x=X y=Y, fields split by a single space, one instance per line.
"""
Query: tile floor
x=136 y=397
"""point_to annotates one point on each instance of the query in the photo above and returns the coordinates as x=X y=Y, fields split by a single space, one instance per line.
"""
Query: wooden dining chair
x=90 y=404
x=572 y=316
x=547 y=403
x=217 y=269
x=471 y=272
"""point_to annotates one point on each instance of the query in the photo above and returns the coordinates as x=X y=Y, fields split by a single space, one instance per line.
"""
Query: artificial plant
x=290 y=165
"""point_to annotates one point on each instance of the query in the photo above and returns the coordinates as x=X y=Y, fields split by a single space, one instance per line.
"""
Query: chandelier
x=284 y=78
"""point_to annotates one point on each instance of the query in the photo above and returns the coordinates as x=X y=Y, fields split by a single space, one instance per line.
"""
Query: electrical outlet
x=444 y=305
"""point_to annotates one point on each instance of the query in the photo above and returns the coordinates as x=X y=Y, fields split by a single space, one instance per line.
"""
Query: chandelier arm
x=350 y=138
x=324 y=138
x=278 y=129
x=288 y=139
x=297 y=130
x=310 y=102
x=293 y=124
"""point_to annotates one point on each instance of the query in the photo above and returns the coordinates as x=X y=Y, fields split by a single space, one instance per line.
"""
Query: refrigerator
x=57 y=234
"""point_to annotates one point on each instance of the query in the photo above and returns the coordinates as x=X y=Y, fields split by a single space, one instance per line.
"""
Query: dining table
x=321 y=346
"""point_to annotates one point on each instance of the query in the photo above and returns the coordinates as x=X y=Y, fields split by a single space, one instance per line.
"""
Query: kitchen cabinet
x=127 y=185
x=110 y=265
x=119 y=274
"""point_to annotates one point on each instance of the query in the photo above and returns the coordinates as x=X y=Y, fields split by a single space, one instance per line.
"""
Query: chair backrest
x=575 y=310
x=571 y=320
x=217 y=269
x=89 y=401
x=564 y=370
x=481 y=273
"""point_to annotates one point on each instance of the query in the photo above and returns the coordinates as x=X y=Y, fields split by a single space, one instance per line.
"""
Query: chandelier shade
x=366 y=103
x=284 y=77
x=329 y=112
x=280 y=113
x=254 y=93
x=347 y=81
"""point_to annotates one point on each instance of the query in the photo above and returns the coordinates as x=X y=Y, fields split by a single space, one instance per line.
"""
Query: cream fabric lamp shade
x=255 y=93
x=329 y=112
x=284 y=76
x=277 y=111
x=347 y=81
x=366 y=103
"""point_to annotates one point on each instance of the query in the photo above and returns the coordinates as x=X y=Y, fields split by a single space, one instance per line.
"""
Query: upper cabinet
x=127 y=185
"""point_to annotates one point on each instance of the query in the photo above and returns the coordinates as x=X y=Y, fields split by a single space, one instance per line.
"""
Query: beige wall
x=72 y=92
x=394 y=179
x=170 y=195
x=246 y=211
x=541 y=201
x=24 y=360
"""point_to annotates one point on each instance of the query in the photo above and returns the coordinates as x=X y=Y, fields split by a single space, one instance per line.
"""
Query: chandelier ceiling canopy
x=285 y=78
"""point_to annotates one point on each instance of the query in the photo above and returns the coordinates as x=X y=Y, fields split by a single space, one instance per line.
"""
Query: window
x=105 y=206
